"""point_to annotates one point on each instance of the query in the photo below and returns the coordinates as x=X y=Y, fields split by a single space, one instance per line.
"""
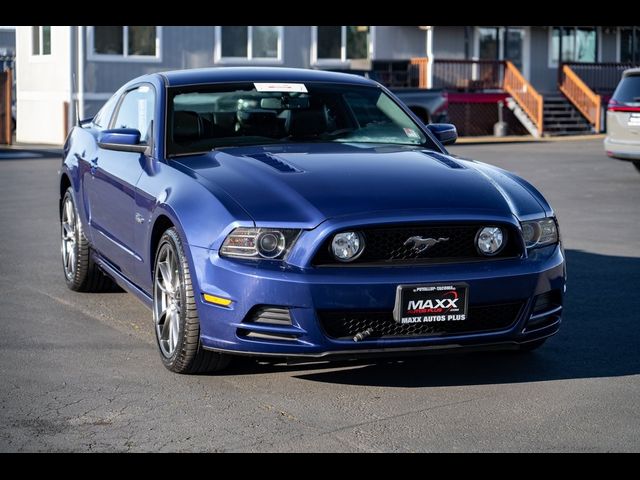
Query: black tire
x=80 y=272
x=187 y=356
x=637 y=165
x=531 y=346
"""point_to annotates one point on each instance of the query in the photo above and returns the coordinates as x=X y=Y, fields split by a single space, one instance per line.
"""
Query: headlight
x=271 y=243
x=540 y=233
x=490 y=240
x=347 y=246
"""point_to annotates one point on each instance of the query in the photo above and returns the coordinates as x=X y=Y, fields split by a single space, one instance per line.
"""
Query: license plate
x=634 y=120
x=431 y=303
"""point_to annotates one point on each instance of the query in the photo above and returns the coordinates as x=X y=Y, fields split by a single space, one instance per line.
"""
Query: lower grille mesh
x=345 y=324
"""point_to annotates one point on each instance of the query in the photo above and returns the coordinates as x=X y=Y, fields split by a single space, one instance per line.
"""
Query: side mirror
x=121 y=139
x=446 y=133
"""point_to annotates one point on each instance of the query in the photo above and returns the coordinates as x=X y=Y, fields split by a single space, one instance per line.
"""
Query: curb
x=526 y=139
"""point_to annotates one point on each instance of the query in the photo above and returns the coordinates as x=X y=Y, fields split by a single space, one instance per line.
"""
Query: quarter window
x=137 y=111
x=249 y=42
x=341 y=43
x=41 y=40
x=125 y=41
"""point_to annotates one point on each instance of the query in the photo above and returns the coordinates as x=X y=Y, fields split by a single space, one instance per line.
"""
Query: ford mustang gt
x=302 y=214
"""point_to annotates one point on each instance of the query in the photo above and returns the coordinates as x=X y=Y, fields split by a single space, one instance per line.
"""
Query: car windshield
x=205 y=117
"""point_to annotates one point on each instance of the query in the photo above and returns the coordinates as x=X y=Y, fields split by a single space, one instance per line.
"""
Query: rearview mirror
x=446 y=133
x=285 y=102
x=121 y=139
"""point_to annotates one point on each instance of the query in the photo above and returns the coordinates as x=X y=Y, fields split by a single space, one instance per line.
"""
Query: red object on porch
x=455 y=97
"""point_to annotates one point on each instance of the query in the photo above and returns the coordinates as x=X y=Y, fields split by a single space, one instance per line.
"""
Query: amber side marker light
x=225 y=302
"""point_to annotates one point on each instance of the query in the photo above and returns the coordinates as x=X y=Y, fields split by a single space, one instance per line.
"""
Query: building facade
x=58 y=66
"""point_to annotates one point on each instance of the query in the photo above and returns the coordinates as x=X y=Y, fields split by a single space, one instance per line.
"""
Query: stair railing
x=524 y=94
x=581 y=96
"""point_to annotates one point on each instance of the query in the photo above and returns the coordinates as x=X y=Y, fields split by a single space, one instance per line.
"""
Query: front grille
x=386 y=245
x=482 y=318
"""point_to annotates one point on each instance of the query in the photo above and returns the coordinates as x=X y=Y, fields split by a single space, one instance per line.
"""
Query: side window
x=137 y=111
x=101 y=120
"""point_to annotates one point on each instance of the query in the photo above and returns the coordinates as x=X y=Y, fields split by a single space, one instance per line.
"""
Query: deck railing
x=468 y=75
x=523 y=92
x=602 y=78
x=583 y=98
x=419 y=65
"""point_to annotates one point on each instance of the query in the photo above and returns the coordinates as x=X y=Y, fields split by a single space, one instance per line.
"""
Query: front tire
x=175 y=316
x=80 y=271
x=637 y=165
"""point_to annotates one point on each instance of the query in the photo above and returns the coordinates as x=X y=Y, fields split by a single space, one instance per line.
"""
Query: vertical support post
x=65 y=119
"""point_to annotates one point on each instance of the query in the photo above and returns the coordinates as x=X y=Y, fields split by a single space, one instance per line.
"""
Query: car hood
x=305 y=184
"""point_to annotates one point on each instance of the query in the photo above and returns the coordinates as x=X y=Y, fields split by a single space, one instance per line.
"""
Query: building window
x=341 y=43
x=117 y=43
x=41 y=40
x=629 y=51
x=500 y=43
x=248 y=43
x=573 y=44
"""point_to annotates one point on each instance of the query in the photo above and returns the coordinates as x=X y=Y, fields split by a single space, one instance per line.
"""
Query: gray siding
x=543 y=78
x=448 y=42
x=399 y=43
x=182 y=47
x=187 y=47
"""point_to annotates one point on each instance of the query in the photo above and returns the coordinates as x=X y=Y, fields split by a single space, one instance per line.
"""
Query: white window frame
x=554 y=64
x=125 y=57
x=40 y=56
x=526 y=48
x=343 y=61
x=217 y=49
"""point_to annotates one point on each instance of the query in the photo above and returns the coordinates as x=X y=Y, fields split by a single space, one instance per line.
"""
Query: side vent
x=271 y=316
x=269 y=323
x=275 y=162
x=445 y=160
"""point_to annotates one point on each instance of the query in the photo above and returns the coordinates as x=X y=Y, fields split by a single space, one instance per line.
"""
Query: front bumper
x=304 y=291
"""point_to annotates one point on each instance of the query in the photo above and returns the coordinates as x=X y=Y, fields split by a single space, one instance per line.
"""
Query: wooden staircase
x=560 y=117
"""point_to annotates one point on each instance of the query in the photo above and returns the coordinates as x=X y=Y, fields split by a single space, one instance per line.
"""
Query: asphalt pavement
x=80 y=372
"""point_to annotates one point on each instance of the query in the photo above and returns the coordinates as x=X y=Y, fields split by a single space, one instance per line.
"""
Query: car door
x=114 y=174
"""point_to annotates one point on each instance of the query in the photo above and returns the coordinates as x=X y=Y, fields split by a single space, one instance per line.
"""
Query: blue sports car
x=292 y=213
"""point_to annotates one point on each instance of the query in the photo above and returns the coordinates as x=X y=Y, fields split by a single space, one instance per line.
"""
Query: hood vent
x=275 y=162
x=448 y=161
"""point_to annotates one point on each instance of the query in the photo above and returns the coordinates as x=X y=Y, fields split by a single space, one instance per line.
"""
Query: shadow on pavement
x=12 y=153
x=599 y=337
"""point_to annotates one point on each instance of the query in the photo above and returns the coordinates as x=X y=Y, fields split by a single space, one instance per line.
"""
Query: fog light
x=490 y=240
x=347 y=246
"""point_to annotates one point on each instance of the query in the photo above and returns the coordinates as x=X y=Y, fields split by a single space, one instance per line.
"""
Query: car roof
x=631 y=72
x=198 y=76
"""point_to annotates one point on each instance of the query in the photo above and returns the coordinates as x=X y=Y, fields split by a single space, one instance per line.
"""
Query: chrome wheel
x=69 y=238
x=167 y=299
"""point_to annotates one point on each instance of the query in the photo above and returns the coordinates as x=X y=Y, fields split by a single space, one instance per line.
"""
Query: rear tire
x=80 y=271
x=175 y=316
x=531 y=346
x=637 y=165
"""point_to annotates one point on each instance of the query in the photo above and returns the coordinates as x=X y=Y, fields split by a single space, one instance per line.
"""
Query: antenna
x=77 y=103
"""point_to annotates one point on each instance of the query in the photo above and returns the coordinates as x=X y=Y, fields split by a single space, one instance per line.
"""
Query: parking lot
x=81 y=372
